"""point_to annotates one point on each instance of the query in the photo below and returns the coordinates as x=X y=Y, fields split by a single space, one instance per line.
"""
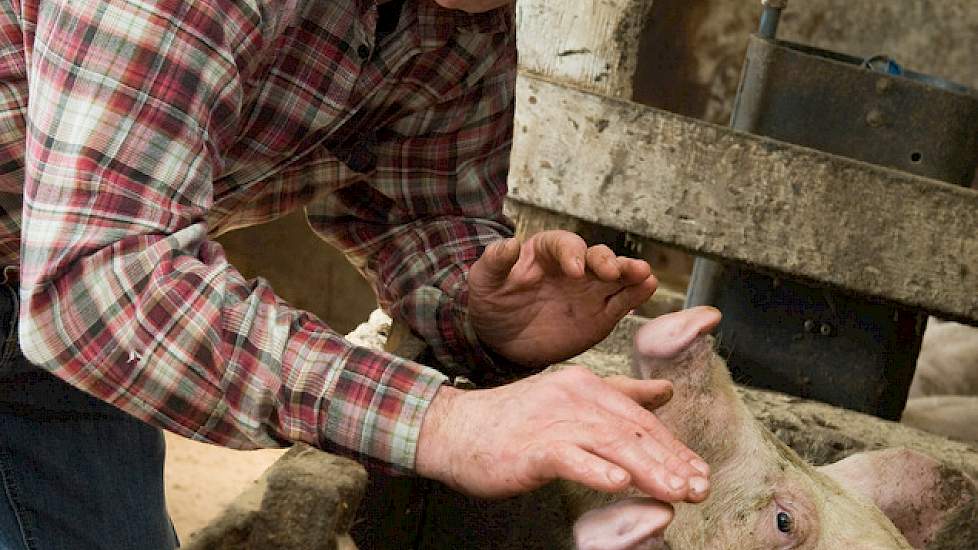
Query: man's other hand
x=552 y=297
x=570 y=425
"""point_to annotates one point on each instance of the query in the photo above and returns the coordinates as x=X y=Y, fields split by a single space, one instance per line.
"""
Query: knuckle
x=572 y=466
x=540 y=461
x=674 y=464
x=685 y=458
x=576 y=374
x=541 y=455
x=570 y=243
x=555 y=392
x=618 y=441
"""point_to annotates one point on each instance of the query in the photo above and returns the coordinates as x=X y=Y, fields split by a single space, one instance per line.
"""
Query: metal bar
x=770 y=18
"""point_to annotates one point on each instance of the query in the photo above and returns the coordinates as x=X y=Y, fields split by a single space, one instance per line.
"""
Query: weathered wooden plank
x=589 y=43
x=726 y=194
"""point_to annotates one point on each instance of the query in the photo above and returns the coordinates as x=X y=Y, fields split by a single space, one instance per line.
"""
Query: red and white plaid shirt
x=153 y=125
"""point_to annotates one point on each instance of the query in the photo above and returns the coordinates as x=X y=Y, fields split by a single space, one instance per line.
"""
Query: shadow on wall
x=305 y=271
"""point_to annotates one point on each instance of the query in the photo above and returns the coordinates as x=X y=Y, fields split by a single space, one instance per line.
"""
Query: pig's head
x=763 y=495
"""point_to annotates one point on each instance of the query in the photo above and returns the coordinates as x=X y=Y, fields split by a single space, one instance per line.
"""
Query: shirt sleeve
x=434 y=203
x=123 y=294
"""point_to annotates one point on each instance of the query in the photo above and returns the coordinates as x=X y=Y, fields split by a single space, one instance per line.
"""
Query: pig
x=948 y=362
x=944 y=394
x=953 y=416
x=763 y=495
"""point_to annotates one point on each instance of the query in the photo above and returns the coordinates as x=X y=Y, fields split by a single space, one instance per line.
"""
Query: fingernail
x=698 y=485
x=676 y=483
x=617 y=476
x=701 y=466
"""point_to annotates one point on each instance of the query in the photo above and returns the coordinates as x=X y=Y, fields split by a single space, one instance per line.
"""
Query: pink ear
x=667 y=336
x=628 y=524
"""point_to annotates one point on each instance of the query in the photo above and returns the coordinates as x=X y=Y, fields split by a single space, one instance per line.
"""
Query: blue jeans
x=75 y=473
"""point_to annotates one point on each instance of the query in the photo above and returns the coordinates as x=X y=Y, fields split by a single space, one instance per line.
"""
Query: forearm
x=432 y=298
x=185 y=343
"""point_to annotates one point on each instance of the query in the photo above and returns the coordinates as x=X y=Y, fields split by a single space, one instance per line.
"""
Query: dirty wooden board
x=730 y=195
x=592 y=43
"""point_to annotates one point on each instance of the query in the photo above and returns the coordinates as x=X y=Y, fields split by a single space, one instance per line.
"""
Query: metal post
x=770 y=18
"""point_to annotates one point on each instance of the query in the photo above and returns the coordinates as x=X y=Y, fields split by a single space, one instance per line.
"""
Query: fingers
x=575 y=259
x=664 y=446
x=570 y=462
x=562 y=248
x=630 y=297
x=633 y=271
x=609 y=268
x=603 y=263
x=634 y=450
x=637 y=393
x=611 y=425
x=499 y=258
x=651 y=394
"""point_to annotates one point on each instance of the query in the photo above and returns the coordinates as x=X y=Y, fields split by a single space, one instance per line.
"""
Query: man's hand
x=552 y=297
x=570 y=425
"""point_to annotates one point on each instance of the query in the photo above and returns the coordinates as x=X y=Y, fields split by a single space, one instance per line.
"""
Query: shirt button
x=363 y=51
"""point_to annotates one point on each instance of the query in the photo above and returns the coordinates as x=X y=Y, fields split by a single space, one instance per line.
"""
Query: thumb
x=497 y=261
x=651 y=394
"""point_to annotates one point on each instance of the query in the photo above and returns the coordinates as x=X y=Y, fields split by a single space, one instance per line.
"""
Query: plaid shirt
x=154 y=125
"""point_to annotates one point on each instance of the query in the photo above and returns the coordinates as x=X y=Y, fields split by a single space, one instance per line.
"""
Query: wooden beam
x=725 y=194
x=594 y=44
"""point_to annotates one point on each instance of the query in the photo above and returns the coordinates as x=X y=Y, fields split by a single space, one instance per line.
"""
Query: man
x=133 y=131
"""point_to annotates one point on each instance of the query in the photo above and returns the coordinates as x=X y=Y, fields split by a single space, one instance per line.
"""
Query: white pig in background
x=948 y=362
x=944 y=393
x=763 y=495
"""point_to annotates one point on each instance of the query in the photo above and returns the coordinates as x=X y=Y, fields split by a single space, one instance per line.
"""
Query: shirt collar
x=436 y=24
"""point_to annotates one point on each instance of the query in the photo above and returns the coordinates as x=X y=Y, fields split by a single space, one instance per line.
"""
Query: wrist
x=433 y=458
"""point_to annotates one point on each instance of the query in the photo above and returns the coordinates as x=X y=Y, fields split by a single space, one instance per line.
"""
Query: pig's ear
x=668 y=336
x=922 y=497
x=628 y=524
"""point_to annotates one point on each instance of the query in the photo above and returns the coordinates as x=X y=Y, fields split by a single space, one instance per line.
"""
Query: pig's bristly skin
x=921 y=497
x=756 y=480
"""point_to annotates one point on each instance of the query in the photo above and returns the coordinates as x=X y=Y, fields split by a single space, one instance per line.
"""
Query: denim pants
x=76 y=473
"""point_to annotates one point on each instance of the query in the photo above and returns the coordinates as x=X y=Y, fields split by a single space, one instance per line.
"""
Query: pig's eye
x=786 y=523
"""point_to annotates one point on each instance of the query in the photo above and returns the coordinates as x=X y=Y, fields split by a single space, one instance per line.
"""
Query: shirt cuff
x=377 y=407
x=457 y=347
